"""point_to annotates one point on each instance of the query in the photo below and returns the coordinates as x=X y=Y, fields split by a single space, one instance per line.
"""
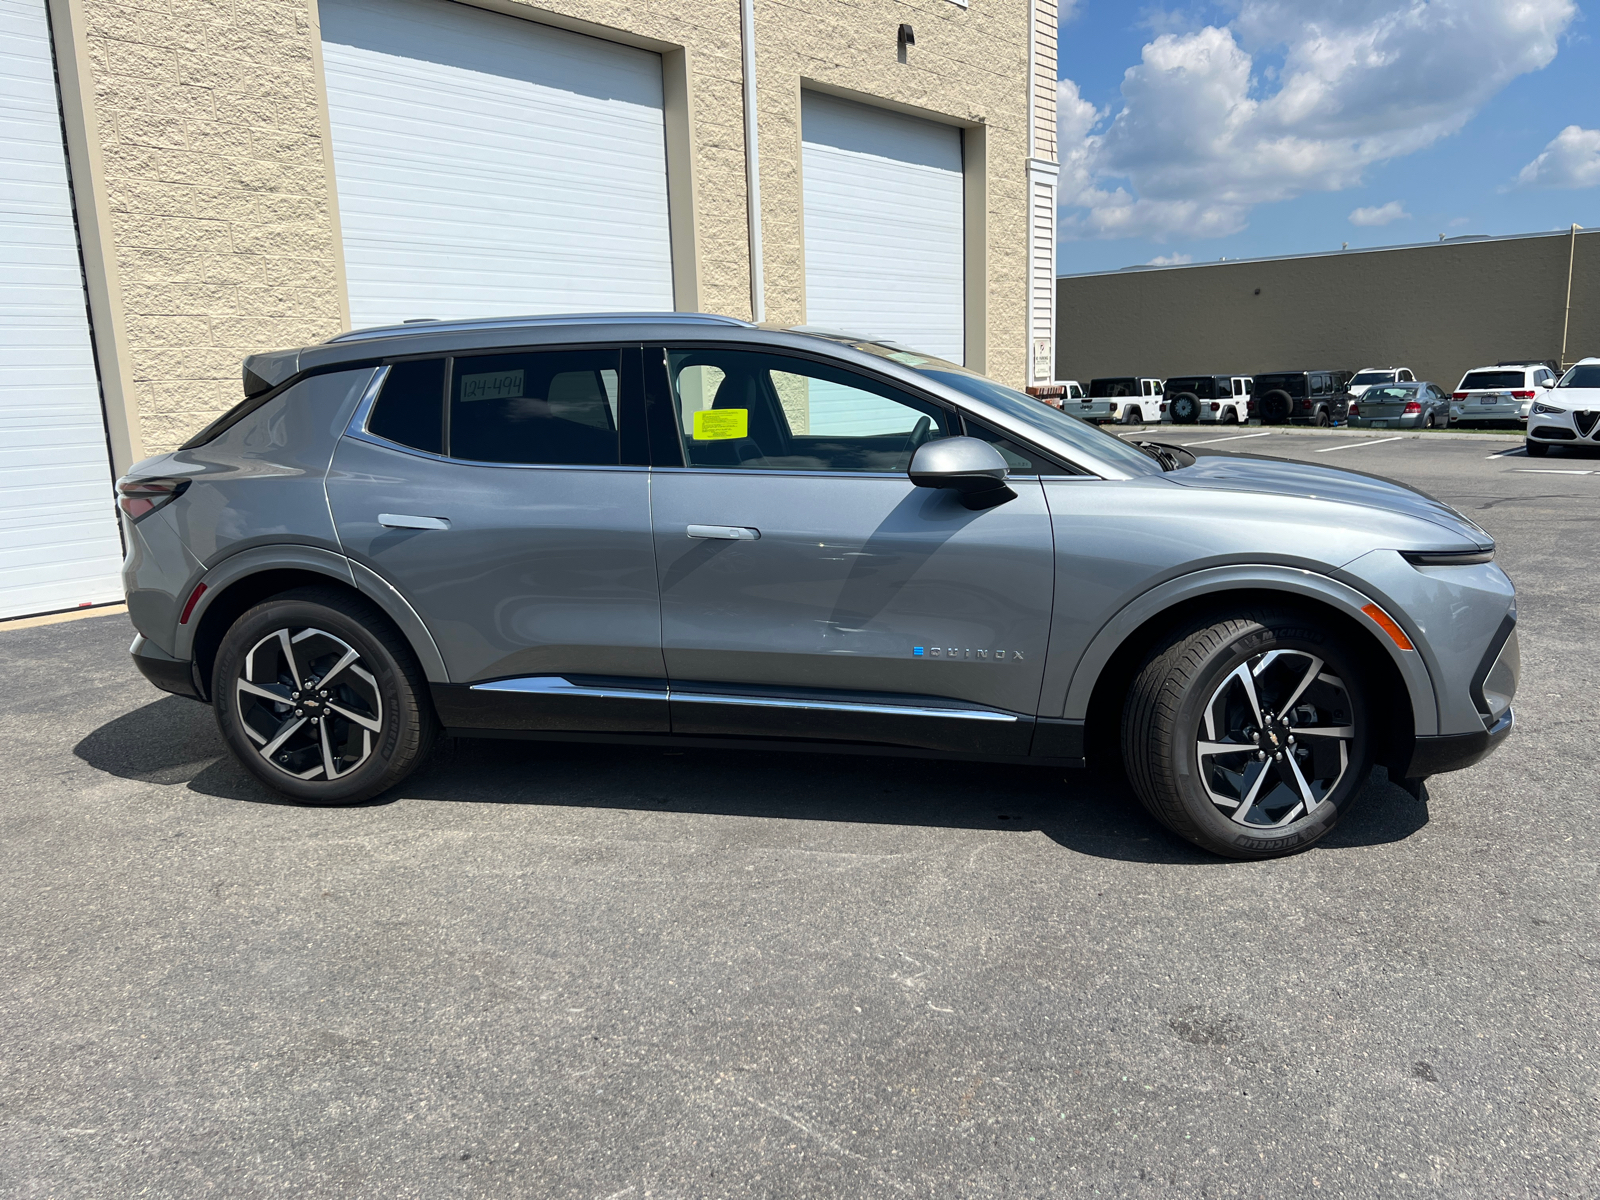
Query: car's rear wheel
x=1248 y=735
x=1535 y=449
x=1323 y=420
x=1132 y=414
x=1427 y=421
x=318 y=695
x=1230 y=416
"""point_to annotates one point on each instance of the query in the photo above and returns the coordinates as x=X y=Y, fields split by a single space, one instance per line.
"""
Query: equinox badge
x=956 y=652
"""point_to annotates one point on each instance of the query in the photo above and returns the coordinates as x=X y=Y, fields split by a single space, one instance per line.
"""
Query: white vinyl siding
x=491 y=166
x=59 y=544
x=883 y=225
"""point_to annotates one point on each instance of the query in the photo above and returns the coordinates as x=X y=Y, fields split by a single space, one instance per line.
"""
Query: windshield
x=1585 y=375
x=1373 y=377
x=1481 y=381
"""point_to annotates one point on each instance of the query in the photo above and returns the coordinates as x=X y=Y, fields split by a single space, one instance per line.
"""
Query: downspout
x=1566 y=320
x=752 y=161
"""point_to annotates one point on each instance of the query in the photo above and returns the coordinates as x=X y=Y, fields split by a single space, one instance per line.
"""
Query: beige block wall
x=215 y=170
x=1438 y=309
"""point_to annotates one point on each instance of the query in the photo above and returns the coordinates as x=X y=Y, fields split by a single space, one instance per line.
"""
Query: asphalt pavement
x=561 y=971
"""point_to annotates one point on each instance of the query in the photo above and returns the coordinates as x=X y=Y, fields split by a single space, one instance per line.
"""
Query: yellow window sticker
x=720 y=424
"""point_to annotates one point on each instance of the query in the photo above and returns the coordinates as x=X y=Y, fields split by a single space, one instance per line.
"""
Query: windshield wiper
x=1162 y=454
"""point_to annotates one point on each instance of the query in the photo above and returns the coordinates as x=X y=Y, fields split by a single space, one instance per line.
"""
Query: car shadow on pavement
x=173 y=741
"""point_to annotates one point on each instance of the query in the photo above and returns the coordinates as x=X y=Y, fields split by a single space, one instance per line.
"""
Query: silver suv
x=689 y=530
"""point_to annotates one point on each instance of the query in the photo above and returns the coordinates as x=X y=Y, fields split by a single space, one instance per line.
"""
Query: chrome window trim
x=556 y=685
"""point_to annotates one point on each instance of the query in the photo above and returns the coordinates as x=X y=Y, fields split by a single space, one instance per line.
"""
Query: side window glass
x=410 y=409
x=1019 y=459
x=1224 y=389
x=550 y=407
x=741 y=408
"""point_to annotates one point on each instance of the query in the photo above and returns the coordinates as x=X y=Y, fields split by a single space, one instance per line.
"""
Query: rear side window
x=551 y=407
x=410 y=409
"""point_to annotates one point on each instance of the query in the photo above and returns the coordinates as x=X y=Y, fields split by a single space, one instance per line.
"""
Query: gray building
x=1440 y=308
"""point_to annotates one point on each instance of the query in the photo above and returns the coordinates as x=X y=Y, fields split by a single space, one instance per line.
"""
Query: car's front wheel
x=1248 y=735
x=318 y=695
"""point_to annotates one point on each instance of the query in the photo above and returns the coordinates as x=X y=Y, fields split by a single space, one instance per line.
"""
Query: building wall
x=209 y=160
x=1440 y=309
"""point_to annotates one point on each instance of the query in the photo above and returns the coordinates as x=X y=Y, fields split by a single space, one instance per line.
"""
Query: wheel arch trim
x=1308 y=585
x=260 y=559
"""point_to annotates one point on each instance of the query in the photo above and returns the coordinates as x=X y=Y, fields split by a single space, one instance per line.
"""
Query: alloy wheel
x=309 y=704
x=1275 y=739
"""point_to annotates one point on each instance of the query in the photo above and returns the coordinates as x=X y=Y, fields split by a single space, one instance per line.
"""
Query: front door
x=500 y=494
x=809 y=590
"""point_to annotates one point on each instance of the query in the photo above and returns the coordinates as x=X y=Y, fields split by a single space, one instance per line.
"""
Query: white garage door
x=883 y=224
x=59 y=545
x=490 y=166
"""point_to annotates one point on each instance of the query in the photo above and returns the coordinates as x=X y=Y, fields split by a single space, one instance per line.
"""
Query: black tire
x=1276 y=407
x=1535 y=449
x=1132 y=414
x=1196 y=669
x=1230 y=416
x=1185 y=408
x=383 y=686
x=1323 y=420
x=1427 y=421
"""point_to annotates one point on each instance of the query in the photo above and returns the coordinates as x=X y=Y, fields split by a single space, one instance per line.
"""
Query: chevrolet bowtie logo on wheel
x=963 y=653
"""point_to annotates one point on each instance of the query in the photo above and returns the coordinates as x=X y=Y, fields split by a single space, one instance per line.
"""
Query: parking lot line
x=1546 y=471
x=1353 y=445
x=1237 y=437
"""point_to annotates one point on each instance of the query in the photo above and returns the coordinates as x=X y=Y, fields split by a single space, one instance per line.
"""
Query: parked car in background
x=1191 y=399
x=1375 y=376
x=1569 y=413
x=1420 y=405
x=1060 y=394
x=1301 y=397
x=1130 y=399
x=651 y=528
x=1499 y=395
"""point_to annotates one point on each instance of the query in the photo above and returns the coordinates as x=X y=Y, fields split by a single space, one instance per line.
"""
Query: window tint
x=1586 y=375
x=410 y=409
x=1491 y=380
x=1105 y=389
x=740 y=408
x=555 y=407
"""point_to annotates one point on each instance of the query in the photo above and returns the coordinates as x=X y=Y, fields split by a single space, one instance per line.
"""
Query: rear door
x=809 y=590
x=506 y=496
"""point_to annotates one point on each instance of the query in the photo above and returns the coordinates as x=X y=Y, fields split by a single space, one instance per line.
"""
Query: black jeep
x=1302 y=397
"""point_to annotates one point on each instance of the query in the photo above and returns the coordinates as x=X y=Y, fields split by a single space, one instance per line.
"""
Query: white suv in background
x=1378 y=376
x=1501 y=394
x=1569 y=413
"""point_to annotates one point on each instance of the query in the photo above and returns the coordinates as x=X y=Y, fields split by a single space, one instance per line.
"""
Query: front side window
x=548 y=407
x=741 y=408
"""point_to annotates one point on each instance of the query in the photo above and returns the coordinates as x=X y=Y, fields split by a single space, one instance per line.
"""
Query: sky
x=1256 y=127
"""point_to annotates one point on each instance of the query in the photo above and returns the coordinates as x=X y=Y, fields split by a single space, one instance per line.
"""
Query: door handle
x=726 y=533
x=402 y=521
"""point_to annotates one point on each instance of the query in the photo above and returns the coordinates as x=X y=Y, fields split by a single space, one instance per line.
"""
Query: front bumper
x=1457 y=751
x=169 y=674
x=1564 y=427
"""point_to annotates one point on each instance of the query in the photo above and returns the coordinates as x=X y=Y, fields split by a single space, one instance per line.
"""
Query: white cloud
x=1170 y=260
x=1199 y=139
x=1381 y=215
x=1571 y=160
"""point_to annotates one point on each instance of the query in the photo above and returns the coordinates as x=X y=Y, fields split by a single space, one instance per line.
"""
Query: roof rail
x=431 y=325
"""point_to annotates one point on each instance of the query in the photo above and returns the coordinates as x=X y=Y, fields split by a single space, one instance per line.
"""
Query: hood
x=1274 y=477
x=1569 y=398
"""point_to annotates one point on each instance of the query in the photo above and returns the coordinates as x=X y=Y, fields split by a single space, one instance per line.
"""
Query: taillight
x=1215 y=407
x=1458 y=395
x=1412 y=407
x=1523 y=395
x=1355 y=409
x=141 y=497
x=1305 y=404
x=1163 y=408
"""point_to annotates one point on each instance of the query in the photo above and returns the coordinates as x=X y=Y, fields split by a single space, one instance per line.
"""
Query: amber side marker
x=1386 y=623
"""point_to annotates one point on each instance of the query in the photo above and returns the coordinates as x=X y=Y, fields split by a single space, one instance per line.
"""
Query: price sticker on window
x=721 y=424
x=493 y=385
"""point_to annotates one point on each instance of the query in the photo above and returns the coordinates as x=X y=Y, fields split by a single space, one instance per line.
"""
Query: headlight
x=1547 y=410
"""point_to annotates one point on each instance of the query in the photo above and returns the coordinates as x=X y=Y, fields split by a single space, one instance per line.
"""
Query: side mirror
x=971 y=468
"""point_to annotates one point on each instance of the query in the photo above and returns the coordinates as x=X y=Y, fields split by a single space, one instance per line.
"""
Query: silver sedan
x=1420 y=405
